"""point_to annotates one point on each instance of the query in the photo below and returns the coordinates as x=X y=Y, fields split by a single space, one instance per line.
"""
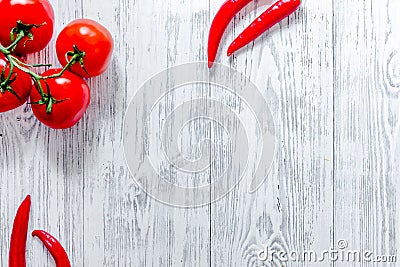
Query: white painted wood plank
x=292 y=65
x=366 y=121
x=136 y=230
x=42 y=163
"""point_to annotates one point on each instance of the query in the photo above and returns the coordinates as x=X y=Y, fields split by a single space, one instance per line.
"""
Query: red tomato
x=29 y=12
x=70 y=88
x=89 y=37
x=21 y=86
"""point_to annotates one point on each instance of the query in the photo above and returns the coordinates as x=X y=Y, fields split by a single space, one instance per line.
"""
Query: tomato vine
x=76 y=56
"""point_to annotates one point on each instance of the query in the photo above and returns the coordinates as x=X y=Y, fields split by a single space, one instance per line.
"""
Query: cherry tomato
x=89 y=37
x=72 y=95
x=28 y=12
x=21 y=86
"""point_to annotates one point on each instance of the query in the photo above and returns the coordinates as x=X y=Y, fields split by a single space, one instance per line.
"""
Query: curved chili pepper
x=19 y=235
x=221 y=20
x=54 y=247
x=277 y=12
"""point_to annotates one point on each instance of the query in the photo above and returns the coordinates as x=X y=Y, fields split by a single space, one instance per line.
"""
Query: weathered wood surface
x=331 y=75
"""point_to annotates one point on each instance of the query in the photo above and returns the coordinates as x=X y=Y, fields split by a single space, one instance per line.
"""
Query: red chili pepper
x=277 y=12
x=19 y=235
x=54 y=247
x=221 y=20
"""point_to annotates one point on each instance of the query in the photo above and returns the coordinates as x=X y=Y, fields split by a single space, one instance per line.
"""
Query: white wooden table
x=331 y=73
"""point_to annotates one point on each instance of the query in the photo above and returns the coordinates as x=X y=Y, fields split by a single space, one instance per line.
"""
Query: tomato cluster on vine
x=59 y=97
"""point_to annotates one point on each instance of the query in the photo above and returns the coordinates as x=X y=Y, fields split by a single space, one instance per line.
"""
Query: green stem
x=20 y=36
x=71 y=62
x=10 y=73
x=4 y=50
x=14 y=62
x=30 y=65
x=24 y=69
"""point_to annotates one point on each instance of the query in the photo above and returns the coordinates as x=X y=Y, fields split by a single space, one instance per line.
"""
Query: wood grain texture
x=366 y=121
x=331 y=76
x=292 y=65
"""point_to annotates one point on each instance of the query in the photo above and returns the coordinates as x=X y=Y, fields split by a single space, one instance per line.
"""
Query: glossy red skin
x=29 y=12
x=67 y=113
x=19 y=235
x=274 y=14
x=22 y=87
x=54 y=247
x=220 y=22
x=90 y=37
